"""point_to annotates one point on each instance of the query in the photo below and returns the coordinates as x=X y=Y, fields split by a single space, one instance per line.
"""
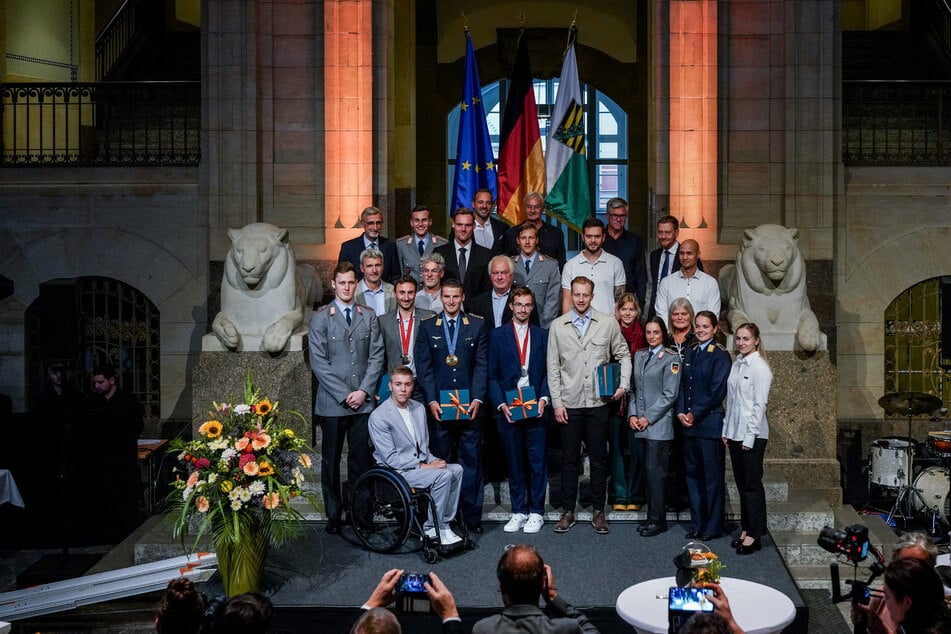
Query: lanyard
x=451 y=341
x=522 y=347
x=405 y=334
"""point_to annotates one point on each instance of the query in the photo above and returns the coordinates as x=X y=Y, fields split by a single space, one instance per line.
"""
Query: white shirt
x=412 y=338
x=607 y=273
x=482 y=234
x=408 y=421
x=523 y=334
x=673 y=258
x=747 y=394
x=701 y=290
x=374 y=299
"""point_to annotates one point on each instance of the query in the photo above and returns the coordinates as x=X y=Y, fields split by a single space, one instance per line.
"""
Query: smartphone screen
x=412 y=583
x=683 y=602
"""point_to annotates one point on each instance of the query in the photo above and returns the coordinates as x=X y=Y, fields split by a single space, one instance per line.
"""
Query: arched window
x=605 y=135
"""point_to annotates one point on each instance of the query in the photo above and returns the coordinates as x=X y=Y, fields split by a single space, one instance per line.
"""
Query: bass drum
x=932 y=484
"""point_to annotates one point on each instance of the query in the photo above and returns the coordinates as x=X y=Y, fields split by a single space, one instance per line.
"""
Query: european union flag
x=475 y=163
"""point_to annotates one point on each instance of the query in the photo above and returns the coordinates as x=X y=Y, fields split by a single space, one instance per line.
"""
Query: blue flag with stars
x=475 y=163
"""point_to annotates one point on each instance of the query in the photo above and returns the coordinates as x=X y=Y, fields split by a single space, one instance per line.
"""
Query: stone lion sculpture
x=265 y=294
x=767 y=286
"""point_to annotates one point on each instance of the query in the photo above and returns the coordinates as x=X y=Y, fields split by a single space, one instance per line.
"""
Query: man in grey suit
x=538 y=272
x=346 y=355
x=401 y=442
x=400 y=326
x=372 y=291
x=420 y=242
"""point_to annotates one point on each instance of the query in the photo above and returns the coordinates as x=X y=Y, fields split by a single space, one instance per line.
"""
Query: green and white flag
x=566 y=164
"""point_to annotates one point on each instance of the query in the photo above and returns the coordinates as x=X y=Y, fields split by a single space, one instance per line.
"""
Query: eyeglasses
x=617 y=215
x=520 y=305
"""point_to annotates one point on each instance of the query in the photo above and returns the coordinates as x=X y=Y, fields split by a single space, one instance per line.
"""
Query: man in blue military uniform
x=451 y=354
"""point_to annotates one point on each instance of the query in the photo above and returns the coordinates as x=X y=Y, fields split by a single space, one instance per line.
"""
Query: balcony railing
x=108 y=123
x=896 y=122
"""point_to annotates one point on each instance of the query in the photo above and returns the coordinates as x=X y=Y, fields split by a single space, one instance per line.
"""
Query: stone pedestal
x=802 y=422
x=285 y=379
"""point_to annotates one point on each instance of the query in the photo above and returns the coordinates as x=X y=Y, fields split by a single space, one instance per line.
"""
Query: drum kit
x=893 y=460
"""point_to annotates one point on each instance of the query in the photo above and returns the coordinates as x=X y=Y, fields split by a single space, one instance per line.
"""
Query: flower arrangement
x=705 y=568
x=238 y=478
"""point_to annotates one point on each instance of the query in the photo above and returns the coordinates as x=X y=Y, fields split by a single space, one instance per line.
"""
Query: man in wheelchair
x=401 y=441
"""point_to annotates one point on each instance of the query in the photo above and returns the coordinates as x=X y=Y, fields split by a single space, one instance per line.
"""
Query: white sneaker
x=431 y=532
x=447 y=537
x=534 y=523
x=516 y=522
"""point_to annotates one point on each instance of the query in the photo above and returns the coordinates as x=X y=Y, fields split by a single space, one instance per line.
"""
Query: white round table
x=758 y=609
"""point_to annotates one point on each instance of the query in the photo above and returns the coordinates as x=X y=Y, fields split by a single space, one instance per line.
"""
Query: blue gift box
x=522 y=403
x=454 y=404
x=607 y=378
x=383 y=390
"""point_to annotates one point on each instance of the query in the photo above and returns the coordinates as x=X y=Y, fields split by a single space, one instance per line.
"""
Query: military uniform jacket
x=705 y=371
x=656 y=384
x=471 y=347
x=545 y=282
x=344 y=358
x=408 y=250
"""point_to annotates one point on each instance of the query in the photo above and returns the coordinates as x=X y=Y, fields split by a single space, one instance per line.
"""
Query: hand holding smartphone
x=683 y=602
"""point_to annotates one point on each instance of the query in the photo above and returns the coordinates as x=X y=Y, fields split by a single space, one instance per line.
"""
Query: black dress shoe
x=749 y=549
x=707 y=537
x=333 y=526
x=735 y=543
x=476 y=528
x=692 y=535
x=653 y=529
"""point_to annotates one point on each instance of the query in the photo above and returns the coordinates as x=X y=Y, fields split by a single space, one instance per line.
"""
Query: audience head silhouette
x=376 y=621
x=181 y=609
x=521 y=574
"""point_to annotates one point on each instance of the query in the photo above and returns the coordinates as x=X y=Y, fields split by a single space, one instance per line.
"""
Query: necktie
x=347 y=313
x=462 y=263
x=452 y=328
x=373 y=245
x=650 y=355
x=666 y=268
x=528 y=267
x=422 y=247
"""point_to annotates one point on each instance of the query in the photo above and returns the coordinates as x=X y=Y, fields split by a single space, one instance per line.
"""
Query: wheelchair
x=385 y=512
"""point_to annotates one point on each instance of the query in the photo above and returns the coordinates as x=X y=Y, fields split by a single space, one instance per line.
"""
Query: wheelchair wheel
x=381 y=510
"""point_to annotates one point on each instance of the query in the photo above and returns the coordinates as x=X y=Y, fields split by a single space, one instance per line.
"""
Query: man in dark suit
x=372 y=220
x=667 y=229
x=489 y=230
x=465 y=260
x=451 y=354
x=494 y=306
x=517 y=358
x=346 y=355
x=551 y=241
x=628 y=248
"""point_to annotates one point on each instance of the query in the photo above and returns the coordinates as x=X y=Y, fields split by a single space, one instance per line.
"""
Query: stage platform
x=318 y=582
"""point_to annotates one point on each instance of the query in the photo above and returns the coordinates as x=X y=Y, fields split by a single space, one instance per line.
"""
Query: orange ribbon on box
x=455 y=402
x=518 y=402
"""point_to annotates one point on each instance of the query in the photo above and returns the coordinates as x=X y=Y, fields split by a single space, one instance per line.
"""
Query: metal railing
x=896 y=122
x=106 y=123
x=130 y=24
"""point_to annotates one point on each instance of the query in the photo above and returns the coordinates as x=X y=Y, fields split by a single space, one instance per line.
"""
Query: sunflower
x=265 y=469
x=263 y=407
x=211 y=428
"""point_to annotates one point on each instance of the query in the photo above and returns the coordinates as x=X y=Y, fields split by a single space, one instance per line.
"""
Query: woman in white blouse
x=745 y=432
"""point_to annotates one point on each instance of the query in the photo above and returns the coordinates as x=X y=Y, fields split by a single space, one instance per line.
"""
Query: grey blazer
x=408 y=251
x=390 y=328
x=392 y=444
x=389 y=299
x=344 y=358
x=545 y=282
x=655 y=392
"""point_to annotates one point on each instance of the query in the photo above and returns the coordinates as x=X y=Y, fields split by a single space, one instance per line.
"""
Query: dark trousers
x=460 y=441
x=705 y=462
x=627 y=472
x=655 y=456
x=748 y=473
x=590 y=425
x=335 y=429
x=525 y=446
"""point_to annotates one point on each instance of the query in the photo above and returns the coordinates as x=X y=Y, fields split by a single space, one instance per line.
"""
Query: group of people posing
x=492 y=310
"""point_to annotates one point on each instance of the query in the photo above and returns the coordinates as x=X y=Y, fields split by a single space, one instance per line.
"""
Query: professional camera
x=853 y=543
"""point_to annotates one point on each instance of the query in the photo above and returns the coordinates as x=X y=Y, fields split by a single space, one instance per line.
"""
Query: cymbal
x=909 y=403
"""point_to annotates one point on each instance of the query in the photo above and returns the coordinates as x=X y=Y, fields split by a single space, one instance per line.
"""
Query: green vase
x=241 y=561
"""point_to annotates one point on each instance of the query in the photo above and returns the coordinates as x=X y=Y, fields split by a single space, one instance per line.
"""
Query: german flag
x=521 y=163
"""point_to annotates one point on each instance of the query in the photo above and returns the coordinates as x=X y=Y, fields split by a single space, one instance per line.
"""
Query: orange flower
x=263 y=407
x=192 y=479
x=305 y=460
x=211 y=428
x=271 y=501
x=202 y=504
x=251 y=469
x=260 y=441
x=241 y=443
x=265 y=469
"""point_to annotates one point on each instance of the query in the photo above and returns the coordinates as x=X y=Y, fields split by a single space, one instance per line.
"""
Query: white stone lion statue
x=265 y=294
x=767 y=286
